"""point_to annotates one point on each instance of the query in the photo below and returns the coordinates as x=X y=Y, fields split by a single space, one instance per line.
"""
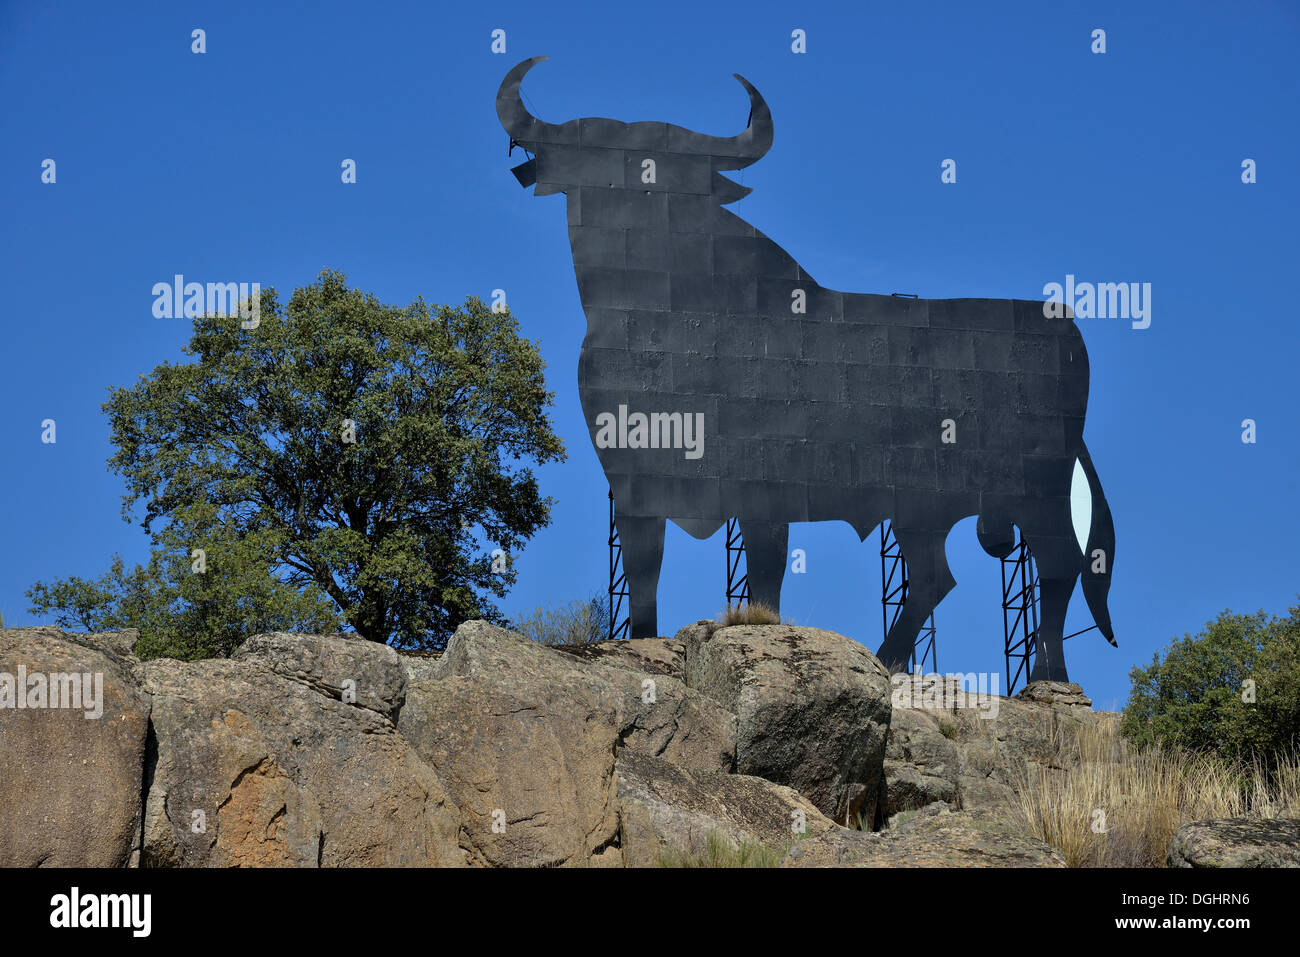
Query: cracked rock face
x=363 y=673
x=812 y=710
x=653 y=656
x=667 y=809
x=69 y=784
x=973 y=757
x=250 y=767
x=526 y=738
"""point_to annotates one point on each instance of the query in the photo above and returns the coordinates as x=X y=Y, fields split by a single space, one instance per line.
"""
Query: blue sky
x=1122 y=166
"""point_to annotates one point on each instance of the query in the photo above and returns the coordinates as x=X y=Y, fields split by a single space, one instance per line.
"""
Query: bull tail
x=1099 y=557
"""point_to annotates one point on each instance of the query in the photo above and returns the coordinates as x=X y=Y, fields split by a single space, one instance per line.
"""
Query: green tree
x=342 y=453
x=1198 y=696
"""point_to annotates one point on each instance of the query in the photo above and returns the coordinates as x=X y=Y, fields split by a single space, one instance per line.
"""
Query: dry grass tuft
x=1116 y=806
x=751 y=613
x=719 y=852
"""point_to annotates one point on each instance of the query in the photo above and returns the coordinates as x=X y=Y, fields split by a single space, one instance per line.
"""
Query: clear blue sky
x=1124 y=166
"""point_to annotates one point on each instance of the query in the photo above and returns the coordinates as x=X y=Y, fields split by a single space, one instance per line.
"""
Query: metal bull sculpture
x=719 y=379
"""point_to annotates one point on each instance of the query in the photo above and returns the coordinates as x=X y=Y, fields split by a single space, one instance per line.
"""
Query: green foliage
x=184 y=614
x=1193 y=698
x=578 y=622
x=244 y=453
x=117 y=599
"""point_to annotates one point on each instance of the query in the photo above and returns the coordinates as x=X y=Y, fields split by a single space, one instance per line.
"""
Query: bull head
x=604 y=153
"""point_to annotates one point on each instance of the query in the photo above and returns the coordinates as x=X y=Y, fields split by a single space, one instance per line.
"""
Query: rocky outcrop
x=667 y=810
x=250 y=767
x=974 y=754
x=70 y=764
x=1236 y=842
x=366 y=674
x=1054 y=692
x=921 y=765
x=526 y=738
x=909 y=788
x=310 y=750
x=812 y=709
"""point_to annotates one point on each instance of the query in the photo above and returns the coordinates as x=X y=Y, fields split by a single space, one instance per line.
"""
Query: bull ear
x=727 y=191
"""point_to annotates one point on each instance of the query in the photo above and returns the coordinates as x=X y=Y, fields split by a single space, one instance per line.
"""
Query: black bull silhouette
x=798 y=403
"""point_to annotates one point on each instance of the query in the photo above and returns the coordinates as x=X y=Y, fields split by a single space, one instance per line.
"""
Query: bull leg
x=928 y=581
x=643 y=554
x=1049 y=654
x=765 y=552
x=1058 y=561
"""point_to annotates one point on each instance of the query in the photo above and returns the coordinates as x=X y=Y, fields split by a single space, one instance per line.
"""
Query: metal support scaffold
x=1019 y=611
x=737 y=581
x=619 y=620
x=893 y=592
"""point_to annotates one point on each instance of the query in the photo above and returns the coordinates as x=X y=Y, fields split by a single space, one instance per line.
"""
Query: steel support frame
x=1020 y=619
x=619 y=620
x=737 y=581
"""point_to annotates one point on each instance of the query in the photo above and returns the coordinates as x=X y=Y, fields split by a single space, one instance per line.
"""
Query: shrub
x=578 y=622
x=1193 y=699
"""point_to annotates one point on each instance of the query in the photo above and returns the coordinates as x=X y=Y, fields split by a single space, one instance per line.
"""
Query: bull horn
x=514 y=116
x=737 y=152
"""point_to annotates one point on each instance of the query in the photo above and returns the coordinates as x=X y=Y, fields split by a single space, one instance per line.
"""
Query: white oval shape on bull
x=803 y=404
